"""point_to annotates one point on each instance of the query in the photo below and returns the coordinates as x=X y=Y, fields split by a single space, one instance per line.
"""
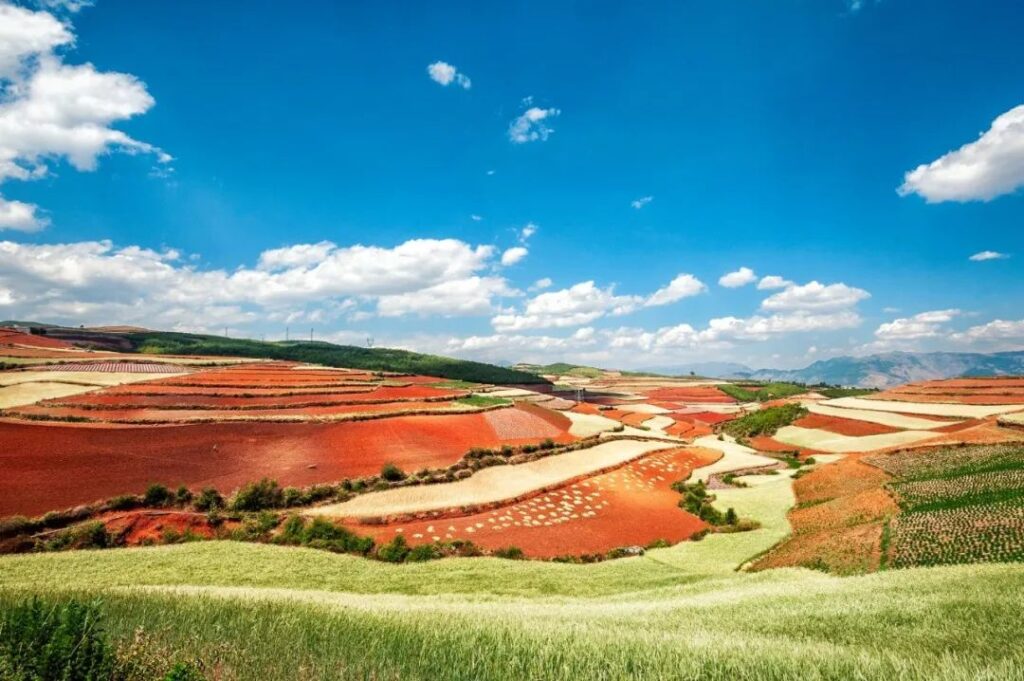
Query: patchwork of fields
x=686 y=494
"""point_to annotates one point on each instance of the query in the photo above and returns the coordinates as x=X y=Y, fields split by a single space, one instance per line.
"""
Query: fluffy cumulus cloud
x=997 y=334
x=773 y=281
x=981 y=170
x=585 y=302
x=740 y=277
x=532 y=125
x=921 y=325
x=51 y=110
x=97 y=282
x=683 y=286
x=988 y=255
x=641 y=202
x=513 y=255
x=445 y=74
x=815 y=296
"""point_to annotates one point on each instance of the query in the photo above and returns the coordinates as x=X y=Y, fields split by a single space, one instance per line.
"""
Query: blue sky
x=186 y=165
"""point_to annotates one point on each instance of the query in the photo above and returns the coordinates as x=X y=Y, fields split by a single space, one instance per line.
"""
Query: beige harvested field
x=1013 y=419
x=20 y=394
x=588 y=425
x=734 y=457
x=823 y=440
x=971 y=411
x=658 y=423
x=492 y=485
x=90 y=378
x=880 y=417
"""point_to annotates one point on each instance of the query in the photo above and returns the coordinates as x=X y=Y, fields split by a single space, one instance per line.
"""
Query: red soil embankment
x=842 y=426
x=632 y=505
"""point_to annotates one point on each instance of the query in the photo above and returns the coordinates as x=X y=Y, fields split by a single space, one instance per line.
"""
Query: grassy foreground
x=265 y=612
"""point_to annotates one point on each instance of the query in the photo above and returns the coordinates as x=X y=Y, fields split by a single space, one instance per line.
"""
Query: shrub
x=182 y=496
x=547 y=444
x=764 y=421
x=730 y=516
x=184 y=672
x=125 y=502
x=509 y=553
x=64 y=642
x=208 y=500
x=15 y=524
x=658 y=544
x=157 y=495
x=392 y=473
x=424 y=552
x=91 y=535
x=394 y=551
x=292 y=497
x=257 y=496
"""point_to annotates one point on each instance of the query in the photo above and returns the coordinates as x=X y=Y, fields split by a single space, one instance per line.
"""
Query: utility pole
x=286 y=333
x=311 y=335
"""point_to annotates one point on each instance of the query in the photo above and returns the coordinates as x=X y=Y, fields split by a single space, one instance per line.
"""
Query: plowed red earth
x=150 y=388
x=12 y=337
x=688 y=430
x=706 y=395
x=527 y=421
x=709 y=418
x=632 y=505
x=384 y=394
x=50 y=466
x=953 y=399
x=43 y=353
x=192 y=415
x=842 y=426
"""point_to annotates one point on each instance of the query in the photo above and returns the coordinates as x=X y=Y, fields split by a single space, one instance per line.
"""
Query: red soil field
x=954 y=399
x=688 y=430
x=708 y=418
x=525 y=423
x=121 y=400
x=586 y=408
x=52 y=466
x=160 y=388
x=705 y=394
x=632 y=505
x=12 y=337
x=842 y=426
x=198 y=415
x=43 y=353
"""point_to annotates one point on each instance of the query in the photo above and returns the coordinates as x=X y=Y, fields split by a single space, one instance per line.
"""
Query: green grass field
x=252 y=611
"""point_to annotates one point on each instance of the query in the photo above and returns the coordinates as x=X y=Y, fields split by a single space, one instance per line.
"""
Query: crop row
x=970 y=534
x=959 y=490
x=949 y=461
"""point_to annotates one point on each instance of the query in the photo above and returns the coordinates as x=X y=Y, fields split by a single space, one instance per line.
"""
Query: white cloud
x=446 y=74
x=531 y=125
x=981 y=170
x=586 y=302
x=683 y=286
x=922 y=325
x=529 y=230
x=476 y=218
x=95 y=282
x=513 y=255
x=20 y=216
x=773 y=281
x=1008 y=334
x=641 y=202
x=577 y=305
x=50 y=110
x=740 y=277
x=988 y=255
x=542 y=284
x=815 y=296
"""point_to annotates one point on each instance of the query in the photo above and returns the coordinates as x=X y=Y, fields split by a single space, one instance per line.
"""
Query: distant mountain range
x=872 y=371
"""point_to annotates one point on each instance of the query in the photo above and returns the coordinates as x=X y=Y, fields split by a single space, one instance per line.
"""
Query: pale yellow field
x=880 y=417
x=492 y=485
x=971 y=411
x=826 y=441
x=91 y=378
x=20 y=394
x=734 y=457
x=588 y=425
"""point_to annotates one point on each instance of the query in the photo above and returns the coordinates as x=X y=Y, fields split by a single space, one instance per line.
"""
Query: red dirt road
x=46 y=467
x=632 y=505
